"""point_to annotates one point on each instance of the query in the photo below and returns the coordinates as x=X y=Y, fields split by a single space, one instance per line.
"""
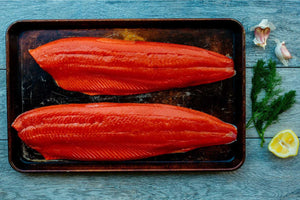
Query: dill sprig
x=266 y=98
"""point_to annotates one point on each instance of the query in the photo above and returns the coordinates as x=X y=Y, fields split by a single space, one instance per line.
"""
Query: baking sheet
x=29 y=87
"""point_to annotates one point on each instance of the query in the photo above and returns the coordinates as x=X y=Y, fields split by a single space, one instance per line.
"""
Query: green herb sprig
x=267 y=103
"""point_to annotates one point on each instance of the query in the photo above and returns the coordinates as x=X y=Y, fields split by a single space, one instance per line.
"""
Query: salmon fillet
x=102 y=66
x=119 y=131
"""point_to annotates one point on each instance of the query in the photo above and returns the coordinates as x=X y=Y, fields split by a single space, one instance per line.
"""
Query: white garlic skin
x=262 y=32
x=282 y=53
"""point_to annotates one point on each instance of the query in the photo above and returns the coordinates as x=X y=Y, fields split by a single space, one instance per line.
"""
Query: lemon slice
x=284 y=144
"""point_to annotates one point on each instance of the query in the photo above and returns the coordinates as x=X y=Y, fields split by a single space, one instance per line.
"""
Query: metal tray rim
x=15 y=24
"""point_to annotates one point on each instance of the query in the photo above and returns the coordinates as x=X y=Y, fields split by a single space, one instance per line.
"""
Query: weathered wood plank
x=282 y=13
x=3 y=110
x=263 y=176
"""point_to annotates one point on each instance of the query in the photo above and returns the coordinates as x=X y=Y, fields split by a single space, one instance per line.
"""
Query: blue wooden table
x=262 y=176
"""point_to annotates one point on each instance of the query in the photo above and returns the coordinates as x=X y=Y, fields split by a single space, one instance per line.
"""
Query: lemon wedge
x=284 y=144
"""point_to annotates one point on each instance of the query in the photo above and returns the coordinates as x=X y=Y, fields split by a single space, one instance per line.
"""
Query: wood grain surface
x=263 y=176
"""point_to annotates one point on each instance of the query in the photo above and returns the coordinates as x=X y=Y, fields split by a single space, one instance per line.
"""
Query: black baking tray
x=28 y=87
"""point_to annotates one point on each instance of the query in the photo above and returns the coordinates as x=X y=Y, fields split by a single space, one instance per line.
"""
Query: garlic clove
x=282 y=52
x=261 y=36
x=262 y=32
x=263 y=25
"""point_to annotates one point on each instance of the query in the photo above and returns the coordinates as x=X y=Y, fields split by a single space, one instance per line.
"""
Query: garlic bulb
x=282 y=52
x=262 y=32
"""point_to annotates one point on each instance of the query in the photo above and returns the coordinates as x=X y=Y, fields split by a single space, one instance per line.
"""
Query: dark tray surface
x=30 y=87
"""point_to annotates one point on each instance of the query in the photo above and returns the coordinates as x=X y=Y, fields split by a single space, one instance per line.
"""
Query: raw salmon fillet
x=102 y=66
x=119 y=131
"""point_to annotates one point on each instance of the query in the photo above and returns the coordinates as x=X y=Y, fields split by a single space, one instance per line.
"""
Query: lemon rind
x=292 y=152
